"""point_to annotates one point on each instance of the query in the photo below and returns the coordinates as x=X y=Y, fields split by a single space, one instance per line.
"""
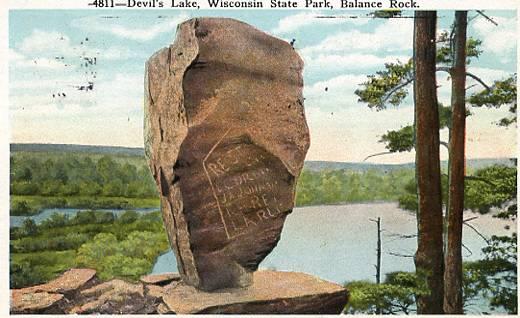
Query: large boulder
x=226 y=137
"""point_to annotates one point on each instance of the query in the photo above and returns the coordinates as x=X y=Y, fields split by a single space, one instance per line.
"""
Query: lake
x=338 y=242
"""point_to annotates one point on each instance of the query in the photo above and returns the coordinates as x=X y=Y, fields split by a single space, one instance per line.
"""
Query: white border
x=83 y=4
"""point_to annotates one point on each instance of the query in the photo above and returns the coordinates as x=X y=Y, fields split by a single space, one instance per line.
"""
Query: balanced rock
x=272 y=292
x=226 y=137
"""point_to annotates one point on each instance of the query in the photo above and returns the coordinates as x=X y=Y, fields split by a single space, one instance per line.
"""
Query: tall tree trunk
x=429 y=260
x=453 y=303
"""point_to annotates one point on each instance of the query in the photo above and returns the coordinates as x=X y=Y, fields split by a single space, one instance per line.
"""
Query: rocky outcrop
x=52 y=296
x=35 y=302
x=160 y=279
x=272 y=292
x=226 y=137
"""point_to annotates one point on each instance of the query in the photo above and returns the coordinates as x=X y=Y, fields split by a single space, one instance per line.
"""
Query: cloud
x=351 y=134
x=393 y=35
x=295 y=22
x=350 y=61
x=488 y=75
x=19 y=60
x=49 y=44
x=131 y=32
x=111 y=114
x=499 y=40
x=334 y=93
x=110 y=95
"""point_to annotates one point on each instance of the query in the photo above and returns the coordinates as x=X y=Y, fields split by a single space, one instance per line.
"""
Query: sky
x=47 y=50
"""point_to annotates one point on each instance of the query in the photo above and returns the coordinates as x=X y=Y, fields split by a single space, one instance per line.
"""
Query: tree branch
x=445 y=144
x=470 y=219
x=395 y=89
x=473 y=76
x=471 y=86
x=467 y=249
x=476 y=231
x=400 y=255
x=487 y=17
x=476 y=78
x=378 y=154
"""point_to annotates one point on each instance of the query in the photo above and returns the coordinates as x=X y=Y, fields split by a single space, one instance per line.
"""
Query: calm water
x=338 y=243
x=46 y=213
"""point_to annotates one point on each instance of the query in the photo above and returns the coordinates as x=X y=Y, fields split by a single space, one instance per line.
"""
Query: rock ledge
x=272 y=292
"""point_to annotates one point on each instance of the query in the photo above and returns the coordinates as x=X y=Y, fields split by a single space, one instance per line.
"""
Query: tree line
x=73 y=175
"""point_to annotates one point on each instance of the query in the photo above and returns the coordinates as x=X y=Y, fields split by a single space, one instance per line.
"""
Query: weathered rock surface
x=160 y=279
x=49 y=297
x=226 y=137
x=23 y=302
x=69 y=282
x=271 y=292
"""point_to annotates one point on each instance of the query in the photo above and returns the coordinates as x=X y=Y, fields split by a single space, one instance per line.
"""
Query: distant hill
x=77 y=149
x=311 y=165
x=363 y=166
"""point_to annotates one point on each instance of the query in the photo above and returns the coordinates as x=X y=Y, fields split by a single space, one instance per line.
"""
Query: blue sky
x=338 y=54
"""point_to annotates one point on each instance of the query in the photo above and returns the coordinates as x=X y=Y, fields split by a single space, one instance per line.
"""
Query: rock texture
x=226 y=137
x=271 y=292
x=50 y=297
x=68 y=282
x=35 y=302
x=160 y=279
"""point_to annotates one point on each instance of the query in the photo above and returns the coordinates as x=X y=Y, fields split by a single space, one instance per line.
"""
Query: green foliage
x=486 y=188
x=492 y=187
x=23 y=208
x=496 y=276
x=57 y=243
x=55 y=220
x=401 y=140
x=128 y=217
x=445 y=52
x=37 y=203
x=501 y=93
x=340 y=186
x=79 y=175
x=129 y=258
x=93 y=217
x=395 y=296
x=115 y=248
x=29 y=227
x=386 y=14
x=28 y=269
x=387 y=86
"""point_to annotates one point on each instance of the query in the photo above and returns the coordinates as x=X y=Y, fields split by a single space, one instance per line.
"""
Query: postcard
x=259 y=157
